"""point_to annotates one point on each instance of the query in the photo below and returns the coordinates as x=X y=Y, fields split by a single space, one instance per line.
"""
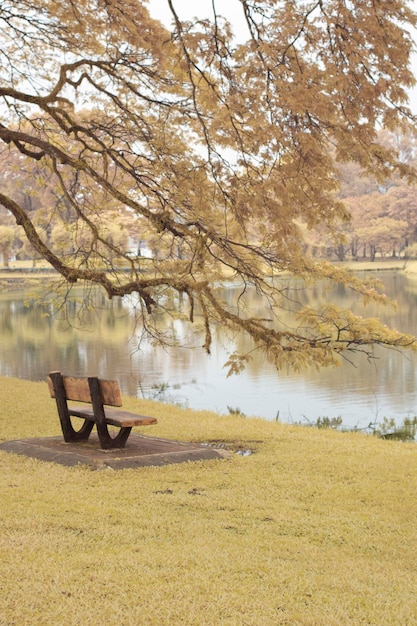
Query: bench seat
x=115 y=417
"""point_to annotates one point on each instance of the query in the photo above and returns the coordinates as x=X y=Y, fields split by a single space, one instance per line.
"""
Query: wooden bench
x=97 y=393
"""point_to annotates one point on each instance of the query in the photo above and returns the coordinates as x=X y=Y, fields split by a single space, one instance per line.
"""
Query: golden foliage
x=217 y=155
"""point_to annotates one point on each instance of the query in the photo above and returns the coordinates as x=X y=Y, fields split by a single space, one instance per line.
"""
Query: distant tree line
x=383 y=214
x=382 y=222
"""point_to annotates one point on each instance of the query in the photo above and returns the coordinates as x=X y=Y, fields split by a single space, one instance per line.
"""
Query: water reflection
x=36 y=339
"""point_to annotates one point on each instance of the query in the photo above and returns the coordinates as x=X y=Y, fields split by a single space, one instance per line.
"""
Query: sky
x=232 y=10
x=187 y=9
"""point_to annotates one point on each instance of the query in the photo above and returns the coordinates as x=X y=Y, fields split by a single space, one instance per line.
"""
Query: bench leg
x=107 y=442
x=69 y=432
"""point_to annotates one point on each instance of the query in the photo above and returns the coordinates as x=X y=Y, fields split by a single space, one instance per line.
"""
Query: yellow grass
x=315 y=528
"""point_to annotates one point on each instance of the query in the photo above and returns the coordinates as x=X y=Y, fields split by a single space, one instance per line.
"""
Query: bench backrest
x=78 y=389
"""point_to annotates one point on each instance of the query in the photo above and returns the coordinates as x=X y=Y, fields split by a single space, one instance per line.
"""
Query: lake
x=36 y=339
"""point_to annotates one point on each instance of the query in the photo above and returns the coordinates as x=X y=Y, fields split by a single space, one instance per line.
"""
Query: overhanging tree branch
x=214 y=154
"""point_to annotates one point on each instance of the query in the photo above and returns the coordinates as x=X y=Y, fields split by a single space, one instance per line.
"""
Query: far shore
x=20 y=271
x=408 y=266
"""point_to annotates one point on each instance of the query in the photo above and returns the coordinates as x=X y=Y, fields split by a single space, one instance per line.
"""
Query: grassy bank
x=315 y=528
